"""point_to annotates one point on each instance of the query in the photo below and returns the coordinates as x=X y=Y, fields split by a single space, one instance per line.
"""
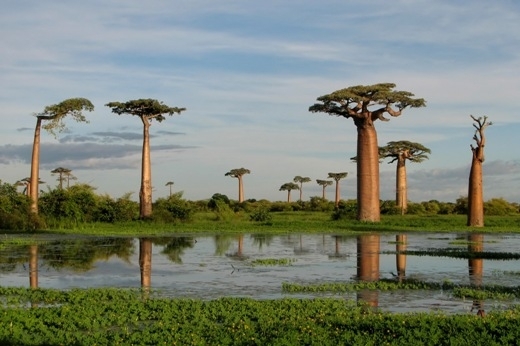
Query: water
x=209 y=267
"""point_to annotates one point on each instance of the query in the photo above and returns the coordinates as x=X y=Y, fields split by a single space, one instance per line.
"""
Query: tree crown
x=324 y=182
x=144 y=108
x=414 y=152
x=356 y=101
x=289 y=186
x=300 y=179
x=237 y=172
x=338 y=176
x=55 y=114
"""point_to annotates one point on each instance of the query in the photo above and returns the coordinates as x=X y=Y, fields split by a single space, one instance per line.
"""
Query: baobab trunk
x=323 y=192
x=367 y=173
x=401 y=198
x=35 y=168
x=240 y=190
x=145 y=193
x=336 y=199
x=475 y=195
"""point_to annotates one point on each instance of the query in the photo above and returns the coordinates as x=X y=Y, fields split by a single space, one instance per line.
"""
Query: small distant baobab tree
x=61 y=173
x=301 y=180
x=337 y=177
x=289 y=187
x=239 y=173
x=147 y=110
x=400 y=152
x=53 y=116
x=324 y=184
x=358 y=102
x=170 y=184
x=475 y=186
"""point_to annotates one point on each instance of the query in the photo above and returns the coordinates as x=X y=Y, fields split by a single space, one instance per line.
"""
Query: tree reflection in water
x=476 y=269
x=368 y=247
x=400 y=257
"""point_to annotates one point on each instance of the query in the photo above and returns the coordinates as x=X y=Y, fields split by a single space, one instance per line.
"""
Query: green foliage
x=14 y=210
x=212 y=204
x=223 y=211
x=273 y=262
x=346 y=210
x=124 y=317
x=261 y=215
x=145 y=108
x=172 y=209
x=320 y=204
x=54 y=114
x=499 y=206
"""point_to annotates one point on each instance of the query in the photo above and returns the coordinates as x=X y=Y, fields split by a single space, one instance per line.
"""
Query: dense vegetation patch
x=121 y=317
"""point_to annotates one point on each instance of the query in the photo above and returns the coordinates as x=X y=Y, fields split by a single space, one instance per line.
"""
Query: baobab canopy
x=354 y=102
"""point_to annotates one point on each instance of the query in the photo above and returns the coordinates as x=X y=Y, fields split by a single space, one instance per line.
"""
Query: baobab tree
x=323 y=184
x=61 y=172
x=289 y=187
x=358 y=102
x=337 y=177
x=147 y=110
x=400 y=152
x=170 y=184
x=239 y=173
x=475 y=188
x=53 y=116
x=301 y=180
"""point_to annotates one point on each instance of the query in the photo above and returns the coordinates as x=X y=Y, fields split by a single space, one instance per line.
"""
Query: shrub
x=261 y=215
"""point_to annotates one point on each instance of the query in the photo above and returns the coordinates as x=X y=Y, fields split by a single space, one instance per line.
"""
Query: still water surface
x=209 y=267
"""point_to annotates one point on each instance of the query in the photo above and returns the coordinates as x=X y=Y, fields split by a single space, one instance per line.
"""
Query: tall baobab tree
x=147 y=110
x=337 y=177
x=289 y=187
x=61 y=172
x=475 y=188
x=170 y=184
x=400 y=152
x=239 y=173
x=301 y=180
x=358 y=102
x=53 y=115
x=69 y=176
x=324 y=184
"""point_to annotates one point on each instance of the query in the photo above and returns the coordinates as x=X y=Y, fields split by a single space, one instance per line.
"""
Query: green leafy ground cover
x=126 y=317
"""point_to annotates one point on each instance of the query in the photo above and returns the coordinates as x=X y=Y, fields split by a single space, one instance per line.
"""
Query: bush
x=261 y=215
x=498 y=206
x=172 y=209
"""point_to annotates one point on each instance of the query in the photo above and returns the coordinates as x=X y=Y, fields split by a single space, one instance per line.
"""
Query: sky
x=247 y=73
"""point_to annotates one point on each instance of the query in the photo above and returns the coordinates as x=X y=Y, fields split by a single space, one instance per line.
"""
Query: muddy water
x=214 y=266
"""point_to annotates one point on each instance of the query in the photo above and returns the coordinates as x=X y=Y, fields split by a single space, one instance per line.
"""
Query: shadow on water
x=256 y=266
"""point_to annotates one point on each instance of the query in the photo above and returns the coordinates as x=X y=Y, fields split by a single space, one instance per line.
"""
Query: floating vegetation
x=459 y=253
x=122 y=317
x=273 y=262
x=459 y=291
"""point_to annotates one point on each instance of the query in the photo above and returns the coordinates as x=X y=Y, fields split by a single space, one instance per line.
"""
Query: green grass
x=295 y=222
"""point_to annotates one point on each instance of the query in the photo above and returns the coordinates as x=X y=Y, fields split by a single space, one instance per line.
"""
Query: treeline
x=80 y=204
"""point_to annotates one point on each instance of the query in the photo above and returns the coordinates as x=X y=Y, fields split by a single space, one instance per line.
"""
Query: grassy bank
x=293 y=222
x=121 y=317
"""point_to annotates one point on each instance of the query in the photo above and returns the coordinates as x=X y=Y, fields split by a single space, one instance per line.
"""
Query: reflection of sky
x=205 y=274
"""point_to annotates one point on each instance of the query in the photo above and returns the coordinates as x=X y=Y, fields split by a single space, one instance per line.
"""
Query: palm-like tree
x=358 y=102
x=475 y=186
x=147 y=110
x=239 y=173
x=61 y=172
x=301 y=180
x=324 y=184
x=170 y=184
x=337 y=177
x=400 y=152
x=54 y=116
x=289 y=187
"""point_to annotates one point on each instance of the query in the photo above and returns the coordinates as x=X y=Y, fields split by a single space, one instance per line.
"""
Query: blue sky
x=247 y=72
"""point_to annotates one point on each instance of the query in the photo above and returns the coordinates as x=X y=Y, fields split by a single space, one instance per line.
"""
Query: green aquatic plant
x=273 y=261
